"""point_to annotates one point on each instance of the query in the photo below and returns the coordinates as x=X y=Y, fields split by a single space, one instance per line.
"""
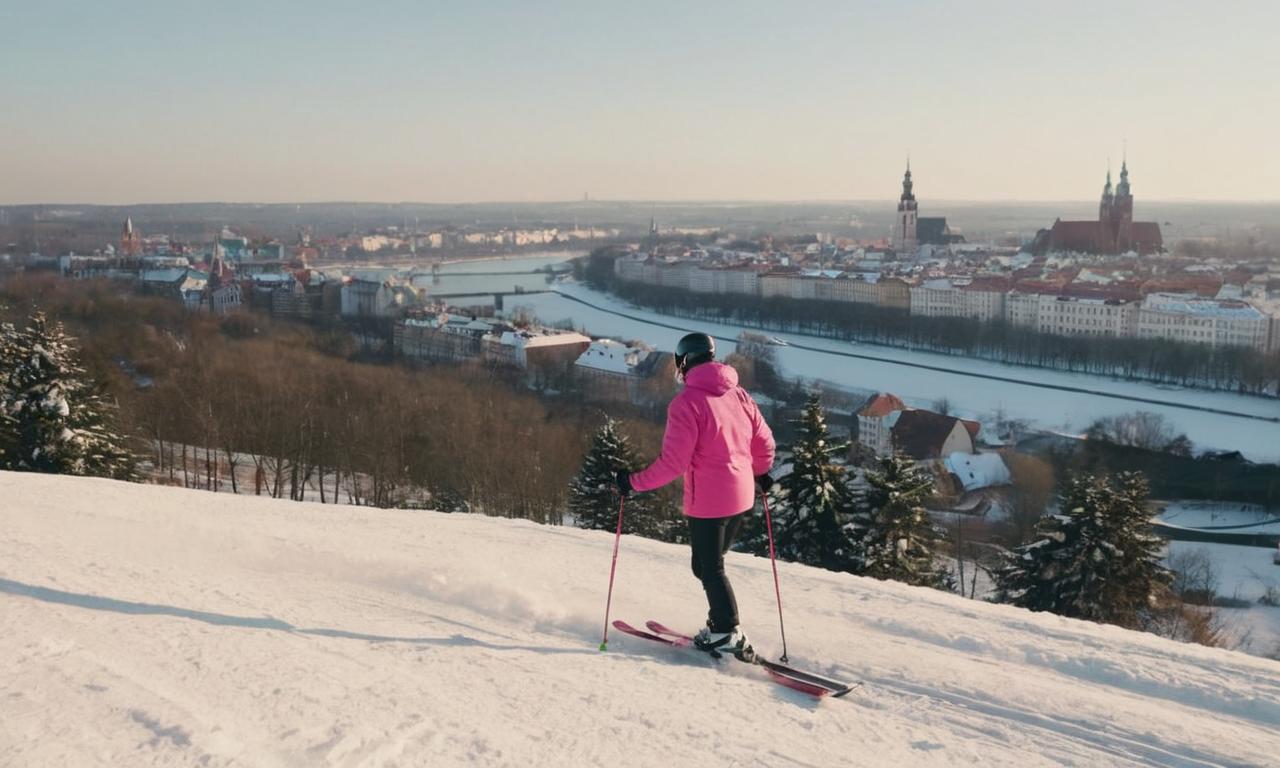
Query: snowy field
x=142 y=625
x=1221 y=516
x=1243 y=573
x=1070 y=412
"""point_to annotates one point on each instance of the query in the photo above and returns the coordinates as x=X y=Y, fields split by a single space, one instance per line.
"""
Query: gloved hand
x=764 y=482
x=623 y=479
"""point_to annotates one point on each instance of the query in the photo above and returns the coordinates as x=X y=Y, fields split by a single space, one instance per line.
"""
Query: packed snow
x=1070 y=412
x=158 y=626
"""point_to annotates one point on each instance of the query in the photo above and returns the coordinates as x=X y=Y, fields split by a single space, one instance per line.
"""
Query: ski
x=833 y=687
x=677 y=640
x=623 y=626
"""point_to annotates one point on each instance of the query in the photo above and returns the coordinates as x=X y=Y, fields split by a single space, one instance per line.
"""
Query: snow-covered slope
x=142 y=625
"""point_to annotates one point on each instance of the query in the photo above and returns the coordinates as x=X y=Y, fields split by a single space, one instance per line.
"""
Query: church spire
x=907 y=184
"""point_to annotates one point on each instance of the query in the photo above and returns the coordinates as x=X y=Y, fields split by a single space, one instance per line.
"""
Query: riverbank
x=1055 y=400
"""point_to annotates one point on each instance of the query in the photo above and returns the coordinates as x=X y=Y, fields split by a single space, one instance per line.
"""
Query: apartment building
x=1216 y=322
x=977 y=299
x=1077 y=316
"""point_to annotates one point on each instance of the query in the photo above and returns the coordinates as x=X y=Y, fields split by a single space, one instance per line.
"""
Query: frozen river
x=1055 y=400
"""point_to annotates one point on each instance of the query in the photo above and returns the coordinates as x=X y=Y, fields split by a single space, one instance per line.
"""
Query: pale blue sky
x=120 y=102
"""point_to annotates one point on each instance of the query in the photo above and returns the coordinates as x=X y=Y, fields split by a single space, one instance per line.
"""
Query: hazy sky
x=121 y=102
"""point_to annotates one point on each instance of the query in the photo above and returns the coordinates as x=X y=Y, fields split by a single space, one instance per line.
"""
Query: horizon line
x=646 y=201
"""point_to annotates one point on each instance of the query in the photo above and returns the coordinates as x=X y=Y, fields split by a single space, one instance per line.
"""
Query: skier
x=717 y=439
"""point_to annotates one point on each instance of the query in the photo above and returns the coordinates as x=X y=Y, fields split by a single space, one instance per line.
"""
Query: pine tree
x=59 y=424
x=896 y=536
x=1098 y=560
x=8 y=363
x=593 y=493
x=813 y=505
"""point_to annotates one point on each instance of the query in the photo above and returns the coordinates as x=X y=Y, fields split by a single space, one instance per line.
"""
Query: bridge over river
x=498 y=296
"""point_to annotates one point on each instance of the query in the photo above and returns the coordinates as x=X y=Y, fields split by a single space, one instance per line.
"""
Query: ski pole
x=617 y=537
x=773 y=560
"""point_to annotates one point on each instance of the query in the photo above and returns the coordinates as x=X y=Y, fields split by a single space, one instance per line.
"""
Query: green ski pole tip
x=604 y=646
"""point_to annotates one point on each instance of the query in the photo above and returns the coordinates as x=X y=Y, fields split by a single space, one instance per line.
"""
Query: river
x=1056 y=400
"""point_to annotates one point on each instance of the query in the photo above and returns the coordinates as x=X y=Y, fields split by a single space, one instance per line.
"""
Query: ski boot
x=717 y=644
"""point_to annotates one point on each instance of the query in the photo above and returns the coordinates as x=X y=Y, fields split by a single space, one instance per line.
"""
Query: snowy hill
x=142 y=625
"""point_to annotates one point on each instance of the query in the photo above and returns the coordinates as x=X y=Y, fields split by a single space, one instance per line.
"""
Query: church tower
x=904 y=241
x=1108 y=199
x=1124 y=198
x=1123 y=211
x=130 y=239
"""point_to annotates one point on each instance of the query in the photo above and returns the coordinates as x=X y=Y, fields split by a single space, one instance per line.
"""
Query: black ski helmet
x=694 y=349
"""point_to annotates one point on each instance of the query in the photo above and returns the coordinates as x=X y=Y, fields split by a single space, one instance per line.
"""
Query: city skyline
x=150 y=103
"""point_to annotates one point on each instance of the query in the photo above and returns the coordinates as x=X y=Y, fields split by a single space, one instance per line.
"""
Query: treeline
x=1173 y=476
x=210 y=398
x=1232 y=368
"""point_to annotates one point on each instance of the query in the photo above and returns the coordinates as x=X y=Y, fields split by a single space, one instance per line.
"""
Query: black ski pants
x=710 y=538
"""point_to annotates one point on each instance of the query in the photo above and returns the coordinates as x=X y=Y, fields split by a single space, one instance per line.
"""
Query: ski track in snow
x=142 y=625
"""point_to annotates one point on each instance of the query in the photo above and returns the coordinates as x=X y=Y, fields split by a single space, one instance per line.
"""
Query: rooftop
x=612 y=356
x=1183 y=304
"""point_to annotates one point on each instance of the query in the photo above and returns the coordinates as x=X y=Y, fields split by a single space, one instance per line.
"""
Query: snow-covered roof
x=612 y=356
x=192 y=285
x=527 y=339
x=271 y=278
x=163 y=275
x=827 y=273
x=1183 y=304
x=978 y=470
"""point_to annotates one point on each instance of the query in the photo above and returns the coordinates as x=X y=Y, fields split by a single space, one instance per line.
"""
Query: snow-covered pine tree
x=59 y=424
x=812 y=505
x=896 y=536
x=8 y=362
x=1097 y=560
x=593 y=494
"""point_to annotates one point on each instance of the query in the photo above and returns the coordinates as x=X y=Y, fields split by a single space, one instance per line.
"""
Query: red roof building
x=1114 y=232
x=881 y=405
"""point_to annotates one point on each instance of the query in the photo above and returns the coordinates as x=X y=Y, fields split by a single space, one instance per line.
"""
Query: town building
x=547 y=357
x=725 y=280
x=440 y=337
x=612 y=371
x=1086 y=316
x=369 y=298
x=875 y=418
x=1114 y=232
x=976 y=298
x=1197 y=320
x=921 y=434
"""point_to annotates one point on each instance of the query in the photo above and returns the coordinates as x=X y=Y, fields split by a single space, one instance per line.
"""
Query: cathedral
x=1114 y=232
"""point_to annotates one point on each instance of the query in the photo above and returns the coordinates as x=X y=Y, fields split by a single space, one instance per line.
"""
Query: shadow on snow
x=96 y=603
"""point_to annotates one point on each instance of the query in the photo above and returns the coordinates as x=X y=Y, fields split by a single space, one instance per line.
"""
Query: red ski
x=813 y=685
x=833 y=687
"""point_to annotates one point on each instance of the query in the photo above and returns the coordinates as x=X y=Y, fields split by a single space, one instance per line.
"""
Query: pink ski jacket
x=717 y=439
